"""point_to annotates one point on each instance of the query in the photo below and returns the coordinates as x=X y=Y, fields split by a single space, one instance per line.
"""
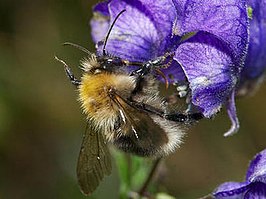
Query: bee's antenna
x=85 y=50
x=109 y=31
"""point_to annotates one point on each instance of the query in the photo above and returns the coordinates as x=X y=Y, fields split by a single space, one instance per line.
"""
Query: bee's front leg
x=69 y=73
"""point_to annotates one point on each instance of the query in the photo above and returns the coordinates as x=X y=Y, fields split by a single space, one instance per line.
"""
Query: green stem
x=144 y=187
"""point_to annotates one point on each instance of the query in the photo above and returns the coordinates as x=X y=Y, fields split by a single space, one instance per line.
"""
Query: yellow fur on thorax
x=95 y=99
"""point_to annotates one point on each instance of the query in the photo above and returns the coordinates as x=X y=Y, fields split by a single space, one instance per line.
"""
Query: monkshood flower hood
x=209 y=40
x=254 y=186
x=255 y=64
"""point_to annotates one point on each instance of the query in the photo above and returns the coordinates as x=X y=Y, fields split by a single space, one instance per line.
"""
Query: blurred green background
x=41 y=124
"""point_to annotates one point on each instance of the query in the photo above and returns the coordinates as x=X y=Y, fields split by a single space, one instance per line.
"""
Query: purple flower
x=255 y=64
x=208 y=38
x=253 y=188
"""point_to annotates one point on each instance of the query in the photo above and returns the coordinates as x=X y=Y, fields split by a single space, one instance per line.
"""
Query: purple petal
x=256 y=59
x=256 y=191
x=226 y=19
x=143 y=32
x=102 y=7
x=231 y=190
x=100 y=22
x=255 y=64
x=257 y=168
x=231 y=111
x=174 y=73
x=209 y=69
x=253 y=188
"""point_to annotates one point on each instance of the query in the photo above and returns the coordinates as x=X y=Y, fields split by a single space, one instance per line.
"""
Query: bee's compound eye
x=111 y=63
x=117 y=61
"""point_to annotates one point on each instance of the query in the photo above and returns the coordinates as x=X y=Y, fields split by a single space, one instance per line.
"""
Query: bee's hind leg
x=186 y=118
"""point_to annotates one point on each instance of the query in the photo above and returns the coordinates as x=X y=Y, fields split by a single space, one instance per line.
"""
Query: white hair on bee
x=174 y=134
x=89 y=62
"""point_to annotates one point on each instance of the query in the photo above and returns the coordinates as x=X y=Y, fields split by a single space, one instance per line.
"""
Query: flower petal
x=231 y=190
x=226 y=19
x=209 y=69
x=257 y=168
x=100 y=22
x=253 y=188
x=255 y=64
x=102 y=8
x=143 y=32
x=231 y=111
x=174 y=73
x=256 y=191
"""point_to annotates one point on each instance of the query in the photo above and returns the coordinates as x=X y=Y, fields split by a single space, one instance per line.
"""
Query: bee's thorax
x=94 y=95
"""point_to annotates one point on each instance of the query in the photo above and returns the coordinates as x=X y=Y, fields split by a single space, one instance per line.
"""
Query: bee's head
x=110 y=64
x=97 y=64
x=104 y=63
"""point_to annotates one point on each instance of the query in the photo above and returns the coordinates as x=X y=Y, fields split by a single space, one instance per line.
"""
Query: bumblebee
x=123 y=108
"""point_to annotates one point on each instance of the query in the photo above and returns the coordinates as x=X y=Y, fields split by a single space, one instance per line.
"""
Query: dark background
x=41 y=123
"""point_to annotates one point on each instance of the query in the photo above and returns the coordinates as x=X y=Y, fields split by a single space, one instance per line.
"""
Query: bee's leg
x=69 y=73
x=179 y=117
x=143 y=70
x=176 y=117
x=146 y=67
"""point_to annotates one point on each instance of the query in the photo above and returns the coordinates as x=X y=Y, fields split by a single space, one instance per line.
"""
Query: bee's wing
x=144 y=133
x=94 y=160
